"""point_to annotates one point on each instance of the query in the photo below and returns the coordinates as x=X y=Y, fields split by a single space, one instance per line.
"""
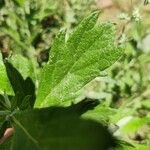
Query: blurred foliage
x=27 y=28
x=125 y=88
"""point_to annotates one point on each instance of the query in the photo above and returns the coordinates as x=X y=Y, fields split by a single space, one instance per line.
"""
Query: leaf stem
x=26 y=132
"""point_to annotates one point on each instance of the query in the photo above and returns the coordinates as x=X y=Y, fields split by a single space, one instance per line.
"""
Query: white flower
x=136 y=15
x=124 y=16
x=123 y=39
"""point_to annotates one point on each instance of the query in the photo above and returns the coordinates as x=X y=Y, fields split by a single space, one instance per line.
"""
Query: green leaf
x=101 y=114
x=26 y=103
x=23 y=65
x=58 y=128
x=77 y=61
x=21 y=87
x=5 y=85
x=20 y=2
x=135 y=124
x=7 y=101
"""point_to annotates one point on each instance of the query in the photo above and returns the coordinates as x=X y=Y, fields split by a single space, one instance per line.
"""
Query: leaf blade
x=58 y=128
x=89 y=50
x=5 y=85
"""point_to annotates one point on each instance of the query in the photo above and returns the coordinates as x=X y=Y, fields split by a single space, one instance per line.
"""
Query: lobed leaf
x=24 y=89
x=77 y=61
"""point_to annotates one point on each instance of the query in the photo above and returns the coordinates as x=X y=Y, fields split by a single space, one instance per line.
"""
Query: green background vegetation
x=27 y=31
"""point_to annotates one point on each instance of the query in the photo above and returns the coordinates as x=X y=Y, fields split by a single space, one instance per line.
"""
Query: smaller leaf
x=21 y=87
x=23 y=65
x=26 y=103
x=7 y=101
x=100 y=113
x=4 y=81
